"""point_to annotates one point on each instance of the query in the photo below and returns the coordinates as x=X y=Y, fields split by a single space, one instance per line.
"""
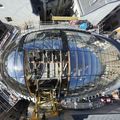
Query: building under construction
x=48 y=70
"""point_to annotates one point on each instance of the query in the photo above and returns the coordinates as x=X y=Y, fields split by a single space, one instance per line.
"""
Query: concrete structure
x=24 y=12
x=77 y=8
x=19 y=11
x=92 y=9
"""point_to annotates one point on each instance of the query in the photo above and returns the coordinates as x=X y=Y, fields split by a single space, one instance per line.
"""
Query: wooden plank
x=62 y=18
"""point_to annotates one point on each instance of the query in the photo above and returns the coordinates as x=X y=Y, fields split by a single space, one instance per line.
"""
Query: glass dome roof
x=79 y=59
x=14 y=66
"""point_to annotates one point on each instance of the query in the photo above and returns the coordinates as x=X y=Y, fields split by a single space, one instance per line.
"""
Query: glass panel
x=10 y=65
x=14 y=66
x=85 y=64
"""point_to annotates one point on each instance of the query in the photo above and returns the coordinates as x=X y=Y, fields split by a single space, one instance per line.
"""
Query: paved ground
x=97 y=117
x=108 y=112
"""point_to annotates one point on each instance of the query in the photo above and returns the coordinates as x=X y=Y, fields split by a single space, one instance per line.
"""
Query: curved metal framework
x=68 y=61
x=55 y=63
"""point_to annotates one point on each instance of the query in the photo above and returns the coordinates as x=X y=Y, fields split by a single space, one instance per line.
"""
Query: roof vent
x=8 y=19
x=1 y=6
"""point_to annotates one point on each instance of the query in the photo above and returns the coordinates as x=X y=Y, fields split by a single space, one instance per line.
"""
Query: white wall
x=19 y=10
x=76 y=8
